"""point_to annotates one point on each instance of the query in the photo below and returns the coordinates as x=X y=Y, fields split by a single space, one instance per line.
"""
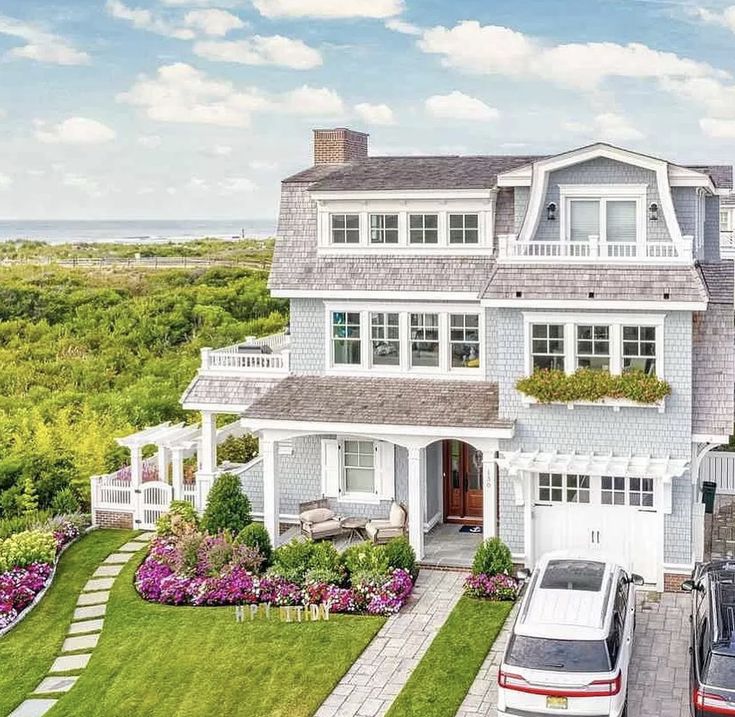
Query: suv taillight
x=714 y=704
x=596 y=688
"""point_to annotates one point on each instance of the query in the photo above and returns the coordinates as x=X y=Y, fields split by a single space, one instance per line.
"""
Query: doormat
x=471 y=529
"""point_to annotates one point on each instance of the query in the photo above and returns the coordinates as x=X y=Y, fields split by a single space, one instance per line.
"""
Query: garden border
x=29 y=608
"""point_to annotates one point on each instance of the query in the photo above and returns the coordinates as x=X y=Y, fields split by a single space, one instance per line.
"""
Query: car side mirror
x=636 y=579
x=523 y=574
x=689 y=586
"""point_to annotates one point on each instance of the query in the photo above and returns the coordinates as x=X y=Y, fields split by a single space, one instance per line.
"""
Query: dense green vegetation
x=28 y=650
x=162 y=660
x=445 y=674
x=89 y=355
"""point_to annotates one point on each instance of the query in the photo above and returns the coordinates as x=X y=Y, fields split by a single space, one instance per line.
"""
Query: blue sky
x=174 y=109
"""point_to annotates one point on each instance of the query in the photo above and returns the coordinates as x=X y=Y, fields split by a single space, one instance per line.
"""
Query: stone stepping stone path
x=84 y=632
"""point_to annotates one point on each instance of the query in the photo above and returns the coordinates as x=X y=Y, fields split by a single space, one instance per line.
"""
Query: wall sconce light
x=653 y=212
x=551 y=212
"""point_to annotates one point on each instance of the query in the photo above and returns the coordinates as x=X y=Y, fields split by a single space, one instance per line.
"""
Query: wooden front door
x=462 y=467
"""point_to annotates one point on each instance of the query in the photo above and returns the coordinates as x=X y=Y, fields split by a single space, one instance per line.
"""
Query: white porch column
x=416 y=500
x=271 y=496
x=489 y=499
x=207 y=458
x=528 y=532
x=136 y=479
x=163 y=460
x=177 y=472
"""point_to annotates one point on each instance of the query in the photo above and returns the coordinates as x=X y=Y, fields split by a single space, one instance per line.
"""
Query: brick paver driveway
x=659 y=671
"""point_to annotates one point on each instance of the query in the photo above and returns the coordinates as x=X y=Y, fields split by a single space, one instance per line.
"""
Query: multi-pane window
x=385 y=338
x=612 y=220
x=423 y=228
x=345 y=228
x=464 y=340
x=725 y=221
x=359 y=467
x=577 y=488
x=584 y=219
x=620 y=220
x=346 y=337
x=463 y=229
x=384 y=229
x=640 y=492
x=593 y=347
x=547 y=346
x=424 y=339
x=639 y=349
x=550 y=487
x=612 y=490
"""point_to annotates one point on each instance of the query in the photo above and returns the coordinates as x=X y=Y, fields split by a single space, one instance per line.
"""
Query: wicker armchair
x=318 y=521
x=381 y=531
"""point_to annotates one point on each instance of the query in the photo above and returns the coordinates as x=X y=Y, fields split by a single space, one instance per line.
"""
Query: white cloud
x=142 y=19
x=726 y=18
x=260 y=50
x=405 y=28
x=261 y=165
x=213 y=22
x=718 y=128
x=329 y=8
x=375 y=114
x=40 y=45
x=496 y=50
x=715 y=97
x=457 y=105
x=5 y=181
x=221 y=150
x=312 y=101
x=615 y=128
x=237 y=185
x=149 y=141
x=84 y=184
x=202 y=3
x=181 y=93
x=74 y=130
x=197 y=184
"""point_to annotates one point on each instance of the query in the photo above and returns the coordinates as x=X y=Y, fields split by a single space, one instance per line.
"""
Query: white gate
x=156 y=498
x=719 y=467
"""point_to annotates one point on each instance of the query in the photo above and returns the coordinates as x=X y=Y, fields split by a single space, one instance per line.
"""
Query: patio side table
x=355 y=528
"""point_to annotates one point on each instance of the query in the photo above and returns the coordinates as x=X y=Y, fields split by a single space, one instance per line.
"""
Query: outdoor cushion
x=316 y=515
x=325 y=526
x=386 y=531
x=397 y=516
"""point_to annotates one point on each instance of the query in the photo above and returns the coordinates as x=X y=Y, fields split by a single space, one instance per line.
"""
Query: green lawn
x=26 y=652
x=445 y=674
x=165 y=661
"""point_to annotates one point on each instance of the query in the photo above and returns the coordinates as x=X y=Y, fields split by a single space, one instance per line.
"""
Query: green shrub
x=17 y=524
x=492 y=557
x=238 y=449
x=228 y=508
x=181 y=516
x=400 y=554
x=30 y=546
x=30 y=497
x=365 y=558
x=256 y=536
x=324 y=575
x=549 y=386
x=293 y=560
x=65 y=502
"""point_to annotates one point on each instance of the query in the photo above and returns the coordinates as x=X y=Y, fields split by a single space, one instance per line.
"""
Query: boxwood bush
x=492 y=558
x=256 y=536
x=228 y=508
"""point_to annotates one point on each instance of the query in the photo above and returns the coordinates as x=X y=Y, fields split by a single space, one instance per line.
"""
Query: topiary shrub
x=181 y=516
x=400 y=554
x=256 y=536
x=292 y=560
x=65 y=502
x=228 y=508
x=492 y=558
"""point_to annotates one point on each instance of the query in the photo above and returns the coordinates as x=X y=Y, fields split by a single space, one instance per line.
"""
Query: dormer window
x=345 y=228
x=384 y=229
x=610 y=220
x=463 y=228
x=423 y=228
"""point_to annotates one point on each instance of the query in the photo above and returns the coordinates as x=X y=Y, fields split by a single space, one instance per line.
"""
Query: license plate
x=556 y=703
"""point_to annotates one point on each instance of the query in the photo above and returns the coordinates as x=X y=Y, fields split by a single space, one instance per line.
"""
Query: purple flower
x=494 y=587
x=18 y=589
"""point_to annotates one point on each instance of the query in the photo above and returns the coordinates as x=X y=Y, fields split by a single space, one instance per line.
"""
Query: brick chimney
x=339 y=145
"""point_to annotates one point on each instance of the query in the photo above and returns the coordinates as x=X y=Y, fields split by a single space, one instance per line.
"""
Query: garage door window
x=578 y=489
x=559 y=488
x=550 y=487
x=640 y=492
x=613 y=490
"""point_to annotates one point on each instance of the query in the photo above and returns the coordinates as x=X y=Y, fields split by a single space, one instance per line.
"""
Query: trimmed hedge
x=550 y=386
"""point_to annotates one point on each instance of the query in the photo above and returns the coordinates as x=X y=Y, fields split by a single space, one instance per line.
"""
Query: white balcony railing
x=236 y=359
x=593 y=250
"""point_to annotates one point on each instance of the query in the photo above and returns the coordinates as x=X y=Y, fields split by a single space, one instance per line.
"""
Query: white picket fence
x=719 y=467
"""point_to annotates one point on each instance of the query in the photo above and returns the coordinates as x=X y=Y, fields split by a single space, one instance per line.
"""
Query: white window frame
x=357 y=496
x=332 y=229
x=423 y=228
x=382 y=230
x=333 y=338
x=565 y=487
x=404 y=368
x=546 y=338
x=614 y=321
x=603 y=193
x=384 y=327
x=593 y=341
x=464 y=228
x=727 y=215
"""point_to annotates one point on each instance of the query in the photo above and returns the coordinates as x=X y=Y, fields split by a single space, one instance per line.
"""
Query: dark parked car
x=712 y=644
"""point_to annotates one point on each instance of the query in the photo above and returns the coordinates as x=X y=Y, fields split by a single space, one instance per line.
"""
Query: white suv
x=571 y=643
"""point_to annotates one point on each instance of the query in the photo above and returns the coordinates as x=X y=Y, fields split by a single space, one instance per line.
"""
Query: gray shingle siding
x=711 y=229
x=307 y=326
x=511 y=516
x=521 y=204
x=685 y=206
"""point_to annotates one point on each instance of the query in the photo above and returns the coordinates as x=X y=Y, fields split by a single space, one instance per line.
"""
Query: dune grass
x=166 y=661
x=27 y=651
x=445 y=674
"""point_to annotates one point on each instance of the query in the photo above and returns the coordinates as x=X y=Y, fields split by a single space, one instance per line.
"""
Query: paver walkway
x=659 y=672
x=372 y=683
x=84 y=632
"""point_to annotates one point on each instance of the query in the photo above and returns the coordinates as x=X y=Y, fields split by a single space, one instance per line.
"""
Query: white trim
x=283 y=517
x=618 y=305
x=709 y=438
x=450 y=296
x=434 y=520
x=217 y=407
x=678 y=568
x=401 y=194
x=406 y=250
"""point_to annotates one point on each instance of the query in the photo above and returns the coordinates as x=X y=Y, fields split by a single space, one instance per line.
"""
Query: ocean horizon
x=140 y=231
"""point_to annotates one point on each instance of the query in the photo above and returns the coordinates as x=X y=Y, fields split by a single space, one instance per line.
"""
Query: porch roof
x=381 y=401
x=641 y=466
x=233 y=393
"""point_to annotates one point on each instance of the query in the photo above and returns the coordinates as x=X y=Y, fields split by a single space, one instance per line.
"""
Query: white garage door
x=613 y=515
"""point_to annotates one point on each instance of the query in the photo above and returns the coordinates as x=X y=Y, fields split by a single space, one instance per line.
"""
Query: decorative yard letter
x=299 y=611
x=314 y=612
x=253 y=612
x=239 y=613
x=325 y=611
x=267 y=608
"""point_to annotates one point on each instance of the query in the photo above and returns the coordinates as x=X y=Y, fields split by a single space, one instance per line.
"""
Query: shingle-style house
x=423 y=288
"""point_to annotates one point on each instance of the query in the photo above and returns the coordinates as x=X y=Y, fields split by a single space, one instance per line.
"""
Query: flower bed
x=28 y=562
x=490 y=578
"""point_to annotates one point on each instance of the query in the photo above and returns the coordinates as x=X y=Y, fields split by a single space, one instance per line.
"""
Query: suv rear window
x=573 y=575
x=720 y=671
x=541 y=653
